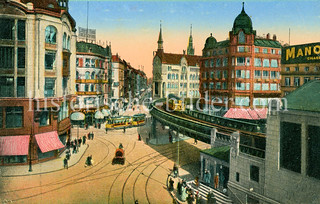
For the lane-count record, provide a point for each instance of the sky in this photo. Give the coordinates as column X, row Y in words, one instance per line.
column 132, row 27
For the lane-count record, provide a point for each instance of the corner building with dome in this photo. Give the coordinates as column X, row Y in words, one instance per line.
column 240, row 74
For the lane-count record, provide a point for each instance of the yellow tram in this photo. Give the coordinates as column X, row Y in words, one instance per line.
column 138, row 119
column 119, row 122
column 175, row 103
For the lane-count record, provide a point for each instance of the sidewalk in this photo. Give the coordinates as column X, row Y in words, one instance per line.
column 44, row 167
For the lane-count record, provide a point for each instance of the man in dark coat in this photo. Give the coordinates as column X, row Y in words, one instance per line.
column 171, row 182
column 65, row 163
column 179, row 187
column 84, row 138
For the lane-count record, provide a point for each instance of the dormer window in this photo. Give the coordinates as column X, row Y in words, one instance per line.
column 241, row 37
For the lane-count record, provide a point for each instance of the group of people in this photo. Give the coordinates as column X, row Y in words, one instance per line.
column 74, row 145
column 185, row 193
column 90, row 135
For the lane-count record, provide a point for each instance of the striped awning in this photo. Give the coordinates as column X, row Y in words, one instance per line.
column 77, row 116
column 14, row 145
column 48, row 141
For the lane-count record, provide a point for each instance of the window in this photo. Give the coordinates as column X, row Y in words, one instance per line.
column 287, row 69
column 248, row 61
column 240, row 86
column 49, row 87
column 6, row 87
column 218, row 74
column 172, row 76
column 177, row 76
column 21, row 30
column 241, row 37
column 87, row 63
column 290, row 146
column 225, row 74
column 240, row 61
column 218, row 85
column 265, row 51
column 218, row 64
column 279, row 52
column 238, row 74
column 247, row 86
column 93, row 63
column 14, row 117
column 306, row 79
column 247, row 74
column 274, row 63
column 212, row 63
column 266, row 63
column 296, row 69
column 296, row 81
column 242, row 101
column 211, row 85
column 204, row 85
column 86, row 87
column 313, row 160
column 51, row 33
column 257, row 74
column 44, row 118
column 93, row 75
column 273, row 51
column 20, row 87
column 206, row 63
column 87, row 75
column 168, row 85
column 265, row 74
column 169, row 68
column 316, row 69
column 265, row 86
column 50, row 59
column 68, row 43
column 257, row 62
column 256, row 50
column 6, row 57
column 287, row 81
column 225, row 62
column 240, row 48
column 92, row 88
column 237, row 176
column 257, row 86
column 7, row 28
column 254, row 173
column 272, row 74
column 64, row 41
column 211, row 75
column 224, row 85
column 306, row 69
column 273, row 87
column 21, row 58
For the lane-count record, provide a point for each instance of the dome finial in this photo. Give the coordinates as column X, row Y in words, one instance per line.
column 243, row 6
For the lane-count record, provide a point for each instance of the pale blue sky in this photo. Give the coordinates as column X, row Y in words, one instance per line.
column 133, row 26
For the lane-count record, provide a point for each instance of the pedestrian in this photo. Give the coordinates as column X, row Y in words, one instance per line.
column 171, row 182
column 65, row 163
column 68, row 154
column 175, row 170
column 170, row 138
column 74, row 149
column 208, row 177
column 195, row 141
column 79, row 142
column 216, row 181
column 89, row 136
column 68, row 143
column 179, row 188
column 124, row 129
column 84, row 139
column 139, row 137
column 136, row 202
column 92, row 135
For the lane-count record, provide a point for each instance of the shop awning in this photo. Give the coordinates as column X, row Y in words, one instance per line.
column 48, row 141
column 77, row 116
column 98, row 115
column 14, row 145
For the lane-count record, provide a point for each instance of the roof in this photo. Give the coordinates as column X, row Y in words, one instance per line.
column 92, row 48
column 267, row 43
column 249, row 114
column 44, row 4
column 242, row 22
column 170, row 58
column 222, row 153
column 305, row 98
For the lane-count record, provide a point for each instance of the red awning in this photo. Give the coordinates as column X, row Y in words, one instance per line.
column 14, row 145
column 250, row 114
column 48, row 141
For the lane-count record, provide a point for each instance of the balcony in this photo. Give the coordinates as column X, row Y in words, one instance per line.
column 89, row 93
column 92, row 81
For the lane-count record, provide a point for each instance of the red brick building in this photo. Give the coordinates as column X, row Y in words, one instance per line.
column 243, row 71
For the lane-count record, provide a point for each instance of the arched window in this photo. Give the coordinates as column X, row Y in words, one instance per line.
column 68, row 43
column 77, row 75
column 86, row 88
column 87, row 75
column 51, row 34
column 241, row 37
column 92, row 75
column 77, row 87
column 169, row 76
column 177, row 76
column 64, row 41
column 92, row 88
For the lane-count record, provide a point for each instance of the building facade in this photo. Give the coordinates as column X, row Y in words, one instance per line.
column 243, row 71
column 299, row 65
column 93, row 62
column 37, row 70
column 176, row 74
column 118, row 66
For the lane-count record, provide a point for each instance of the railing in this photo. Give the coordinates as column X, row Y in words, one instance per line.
column 252, row 151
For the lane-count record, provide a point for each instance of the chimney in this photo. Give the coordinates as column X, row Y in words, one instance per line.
column 274, row 37
column 268, row 36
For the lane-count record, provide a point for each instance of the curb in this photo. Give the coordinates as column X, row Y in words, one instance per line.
column 32, row 174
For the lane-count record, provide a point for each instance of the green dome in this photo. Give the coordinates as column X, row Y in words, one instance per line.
column 210, row 42
column 243, row 21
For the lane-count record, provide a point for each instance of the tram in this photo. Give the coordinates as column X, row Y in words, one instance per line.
column 174, row 103
column 138, row 119
column 119, row 122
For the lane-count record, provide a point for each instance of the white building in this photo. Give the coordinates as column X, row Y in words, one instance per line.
column 176, row 74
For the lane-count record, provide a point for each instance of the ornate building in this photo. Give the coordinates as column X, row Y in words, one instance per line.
column 37, row 76
column 93, row 62
column 176, row 74
column 299, row 65
column 243, row 71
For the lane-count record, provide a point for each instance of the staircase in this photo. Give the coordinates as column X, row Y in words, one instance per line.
column 204, row 190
